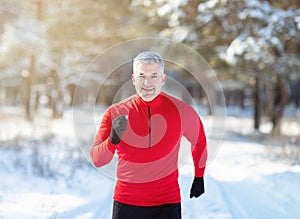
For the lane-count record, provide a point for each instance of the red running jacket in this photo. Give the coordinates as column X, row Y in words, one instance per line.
column 147, row 171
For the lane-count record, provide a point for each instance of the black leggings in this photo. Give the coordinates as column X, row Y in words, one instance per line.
column 166, row 211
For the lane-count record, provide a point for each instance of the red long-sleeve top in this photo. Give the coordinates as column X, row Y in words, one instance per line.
column 147, row 171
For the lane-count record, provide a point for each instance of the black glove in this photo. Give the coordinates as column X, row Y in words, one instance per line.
column 197, row 187
column 118, row 128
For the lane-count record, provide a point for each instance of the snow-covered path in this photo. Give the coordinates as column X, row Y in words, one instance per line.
column 242, row 184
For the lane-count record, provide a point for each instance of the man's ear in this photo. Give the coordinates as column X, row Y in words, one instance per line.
column 164, row 78
column 132, row 78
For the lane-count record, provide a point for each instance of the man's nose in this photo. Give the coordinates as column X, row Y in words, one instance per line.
column 147, row 81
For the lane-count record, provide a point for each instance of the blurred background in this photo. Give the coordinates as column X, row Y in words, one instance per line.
column 252, row 45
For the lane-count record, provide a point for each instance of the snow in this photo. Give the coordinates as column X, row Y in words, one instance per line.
column 44, row 174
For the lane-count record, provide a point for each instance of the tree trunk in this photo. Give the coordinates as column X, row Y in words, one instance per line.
column 57, row 104
column 29, row 82
column 256, row 103
column 280, row 101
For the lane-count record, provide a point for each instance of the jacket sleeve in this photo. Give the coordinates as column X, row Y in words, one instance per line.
column 193, row 130
column 103, row 150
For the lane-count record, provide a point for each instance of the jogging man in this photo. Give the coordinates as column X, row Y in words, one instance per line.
column 145, row 131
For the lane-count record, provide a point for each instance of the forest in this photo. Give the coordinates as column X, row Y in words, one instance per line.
column 63, row 62
column 253, row 47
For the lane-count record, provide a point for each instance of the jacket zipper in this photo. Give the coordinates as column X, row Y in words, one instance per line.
column 149, row 121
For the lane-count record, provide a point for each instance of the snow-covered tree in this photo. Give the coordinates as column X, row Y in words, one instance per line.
column 23, row 49
column 265, row 45
column 253, row 40
column 51, row 42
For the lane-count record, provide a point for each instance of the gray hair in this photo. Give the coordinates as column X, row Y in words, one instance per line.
column 148, row 57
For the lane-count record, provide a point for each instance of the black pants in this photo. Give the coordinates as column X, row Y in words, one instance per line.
column 166, row 211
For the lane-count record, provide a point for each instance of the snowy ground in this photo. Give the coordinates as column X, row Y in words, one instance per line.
column 43, row 174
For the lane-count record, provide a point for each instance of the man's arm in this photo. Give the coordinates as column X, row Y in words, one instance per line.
column 103, row 150
column 194, row 132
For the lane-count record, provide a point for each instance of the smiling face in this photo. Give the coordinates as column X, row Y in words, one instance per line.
column 148, row 80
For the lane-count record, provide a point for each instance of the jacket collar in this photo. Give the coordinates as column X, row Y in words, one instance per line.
column 153, row 103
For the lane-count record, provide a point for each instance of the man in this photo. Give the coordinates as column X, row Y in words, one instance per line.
column 145, row 131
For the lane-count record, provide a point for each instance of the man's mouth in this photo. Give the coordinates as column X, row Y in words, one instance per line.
column 148, row 90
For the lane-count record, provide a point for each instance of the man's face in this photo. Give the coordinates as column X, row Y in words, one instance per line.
column 148, row 80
